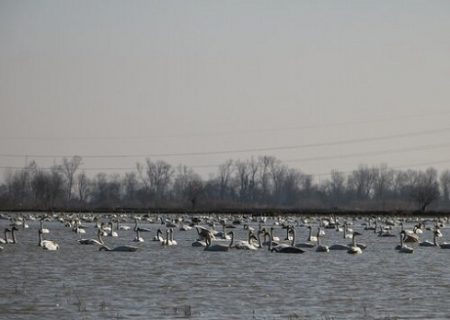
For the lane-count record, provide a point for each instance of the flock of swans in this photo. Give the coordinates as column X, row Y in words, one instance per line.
column 259, row 231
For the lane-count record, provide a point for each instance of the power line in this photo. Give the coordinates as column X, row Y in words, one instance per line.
column 235, row 132
column 231, row 151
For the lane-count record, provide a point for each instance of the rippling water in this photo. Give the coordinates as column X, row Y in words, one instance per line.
column 184, row 282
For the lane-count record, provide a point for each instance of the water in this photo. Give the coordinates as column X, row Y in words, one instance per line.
column 184, row 282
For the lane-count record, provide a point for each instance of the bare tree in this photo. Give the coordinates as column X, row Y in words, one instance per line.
column 445, row 185
column 82, row 183
column 68, row 168
column 225, row 171
column 243, row 179
column 425, row 189
column 265, row 163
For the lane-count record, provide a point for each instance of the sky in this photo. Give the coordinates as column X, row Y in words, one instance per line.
column 321, row 85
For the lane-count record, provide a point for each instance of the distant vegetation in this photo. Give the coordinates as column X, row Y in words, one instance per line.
column 263, row 182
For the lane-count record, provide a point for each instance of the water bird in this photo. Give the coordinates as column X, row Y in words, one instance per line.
column 49, row 245
column 354, row 249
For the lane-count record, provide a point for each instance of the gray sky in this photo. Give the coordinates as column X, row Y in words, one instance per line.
column 138, row 78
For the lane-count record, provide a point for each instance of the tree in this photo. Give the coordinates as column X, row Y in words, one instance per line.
column 425, row 188
column 68, row 168
column 445, row 185
column 82, row 186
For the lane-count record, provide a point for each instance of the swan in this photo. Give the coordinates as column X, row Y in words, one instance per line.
column 285, row 248
column 119, row 248
column 47, row 244
column 304, row 244
column 138, row 237
column 167, row 241
column 347, row 232
column 427, row 243
column 338, row 246
column 174, row 243
column 111, row 232
column 13, row 235
column 240, row 245
column 158, row 236
column 44, row 230
column 223, row 235
column 321, row 248
column 5, row 239
column 402, row 248
column 136, row 227
column 203, row 233
column 98, row 241
column 385, row 233
column 354, row 249
column 369, row 227
column 311, row 238
column 199, row 243
column 410, row 235
column 214, row 247
column 185, row 227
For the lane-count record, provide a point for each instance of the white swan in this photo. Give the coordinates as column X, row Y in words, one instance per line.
column 402, row 248
column 44, row 230
column 47, row 244
column 138, row 237
column 214, row 247
column 158, row 236
column 111, row 232
column 354, row 249
column 240, row 245
column 174, row 243
column 98, row 241
column 427, row 243
column 321, row 248
column 168, row 241
column 285, row 248
column 311, row 238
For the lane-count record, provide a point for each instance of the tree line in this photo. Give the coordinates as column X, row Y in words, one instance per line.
column 262, row 182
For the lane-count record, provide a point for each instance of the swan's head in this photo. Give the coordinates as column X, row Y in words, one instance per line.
column 356, row 233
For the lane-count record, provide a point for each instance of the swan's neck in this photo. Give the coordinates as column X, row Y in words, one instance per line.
column 270, row 239
column 13, row 233
column 354, row 240
column 310, row 234
column 293, row 237
column 232, row 239
column 40, row 239
column 258, row 236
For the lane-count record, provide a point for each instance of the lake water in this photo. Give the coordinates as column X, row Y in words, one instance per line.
column 185, row 282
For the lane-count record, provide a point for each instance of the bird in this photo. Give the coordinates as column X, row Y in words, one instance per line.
column 241, row 245
column 402, row 248
column 98, row 241
column 354, row 249
column 49, row 245
column 44, row 230
column 119, row 248
column 214, row 247
column 285, row 248
column 158, row 236
column 167, row 241
column 320, row 247
column 311, row 238
column 138, row 237
column 427, row 243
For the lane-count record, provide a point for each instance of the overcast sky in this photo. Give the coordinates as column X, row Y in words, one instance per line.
column 339, row 82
